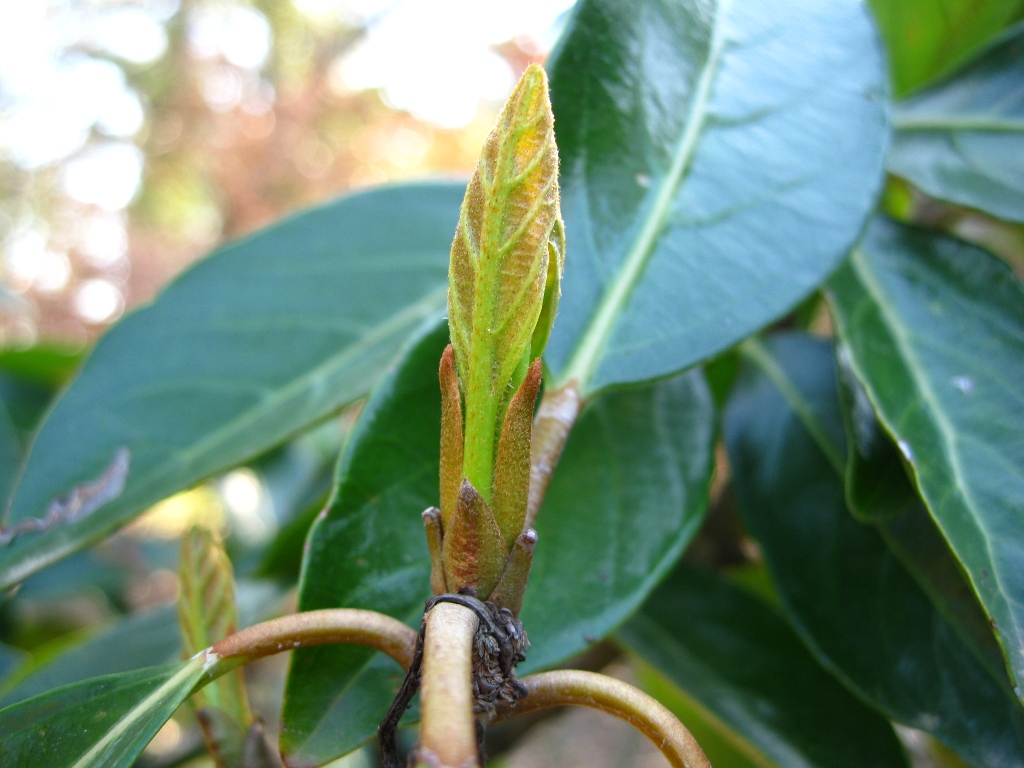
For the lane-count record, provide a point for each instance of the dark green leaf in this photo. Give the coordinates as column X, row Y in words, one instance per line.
column 926, row 37
column 963, row 139
column 256, row 342
column 141, row 640
column 629, row 493
column 10, row 659
column 10, row 454
column 935, row 329
column 721, row 746
column 878, row 491
column 695, row 138
column 739, row 661
column 877, row 486
column 847, row 595
column 100, row 723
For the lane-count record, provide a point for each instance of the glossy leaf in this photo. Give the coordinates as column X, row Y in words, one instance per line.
column 636, row 470
column 256, row 342
column 935, row 329
column 878, row 491
column 100, row 723
column 740, row 662
column 963, row 139
column 877, row 486
column 141, row 640
column 718, row 160
column 849, row 598
column 924, row 38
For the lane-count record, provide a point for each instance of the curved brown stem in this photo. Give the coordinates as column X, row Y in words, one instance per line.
column 300, row 630
column 448, row 736
column 589, row 689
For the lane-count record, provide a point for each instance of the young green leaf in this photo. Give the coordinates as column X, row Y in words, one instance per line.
column 925, row 38
column 508, row 230
column 208, row 613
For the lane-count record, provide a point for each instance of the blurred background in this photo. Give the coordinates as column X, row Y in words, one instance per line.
column 137, row 135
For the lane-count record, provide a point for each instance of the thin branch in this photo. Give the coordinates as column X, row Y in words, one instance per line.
column 448, row 736
column 300, row 630
column 589, row 689
column 555, row 418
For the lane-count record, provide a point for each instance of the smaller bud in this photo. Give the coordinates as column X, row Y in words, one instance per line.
column 512, row 467
column 432, row 523
column 473, row 550
column 451, row 434
column 512, row 585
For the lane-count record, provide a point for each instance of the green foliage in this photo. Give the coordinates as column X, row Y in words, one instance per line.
column 262, row 339
column 684, row 170
column 935, row 329
column 719, row 163
column 638, row 461
column 960, row 139
column 104, row 722
column 729, row 652
column 845, row 592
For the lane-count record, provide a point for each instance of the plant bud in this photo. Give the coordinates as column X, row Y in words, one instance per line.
column 503, row 286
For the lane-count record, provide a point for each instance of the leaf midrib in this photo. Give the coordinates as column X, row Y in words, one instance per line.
column 141, row 709
column 584, row 360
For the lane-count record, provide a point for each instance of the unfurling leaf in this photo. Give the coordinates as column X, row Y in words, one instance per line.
column 208, row 613
column 500, row 275
column 474, row 551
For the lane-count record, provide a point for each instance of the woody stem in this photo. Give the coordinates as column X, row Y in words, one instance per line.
column 555, row 418
column 448, row 737
column 589, row 689
column 300, row 630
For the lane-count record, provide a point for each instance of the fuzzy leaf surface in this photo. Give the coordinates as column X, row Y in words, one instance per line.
column 251, row 345
column 935, row 330
column 718, row 160
column 847, row 595
column 629, row 493
column 962, row 140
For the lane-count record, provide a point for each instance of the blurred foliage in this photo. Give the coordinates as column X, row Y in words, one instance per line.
column 235, row 113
